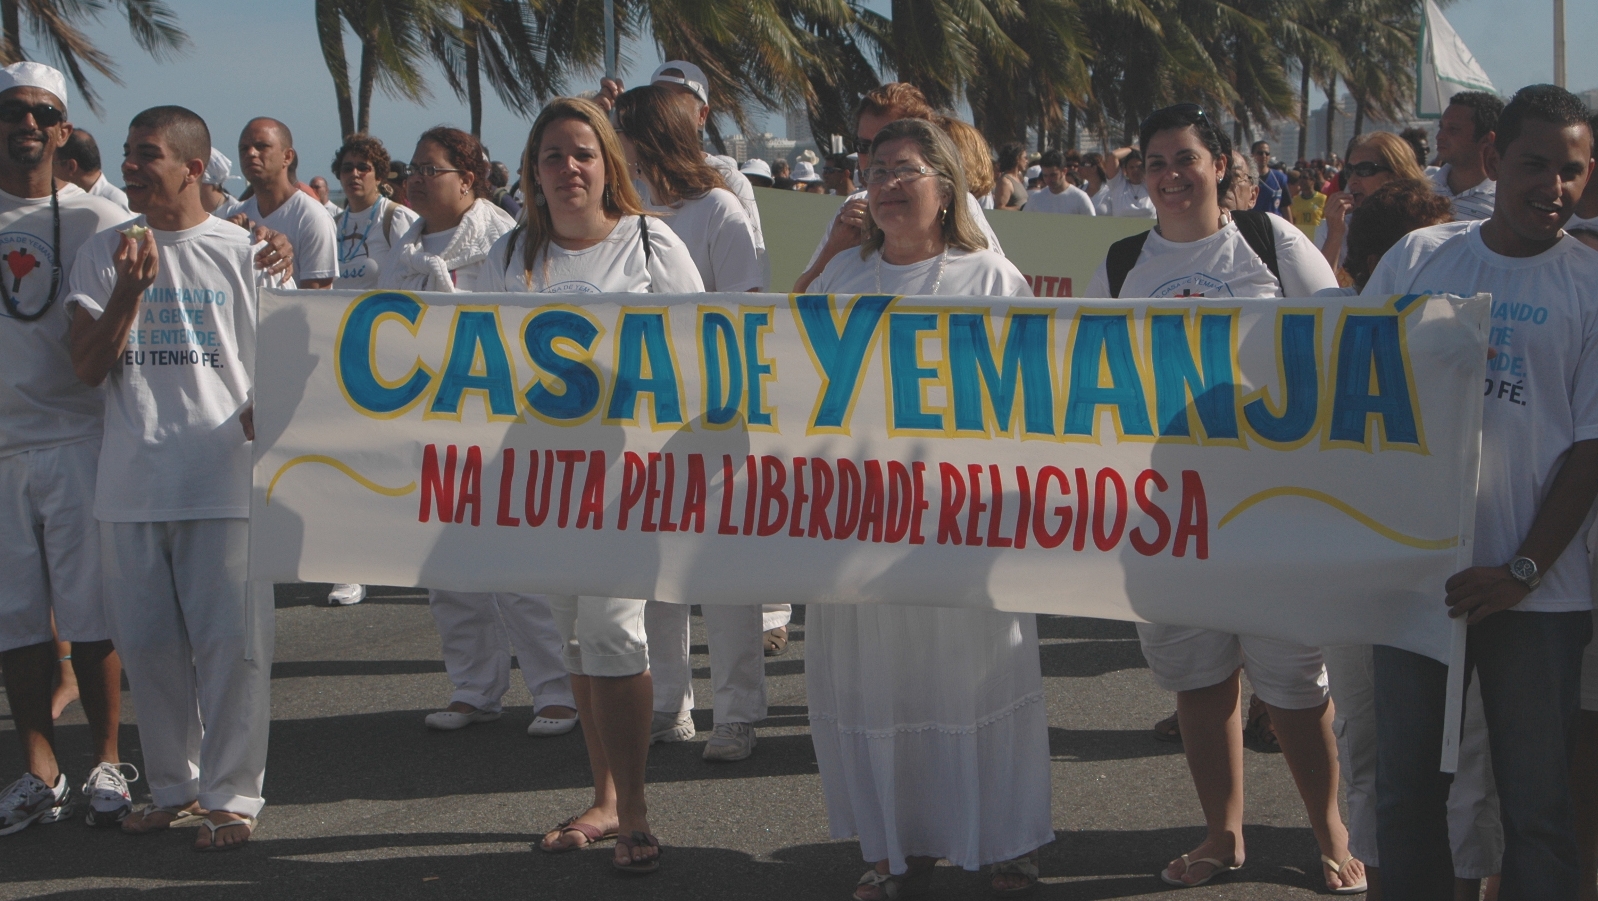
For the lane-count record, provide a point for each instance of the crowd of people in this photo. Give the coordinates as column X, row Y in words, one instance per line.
column 126, row 412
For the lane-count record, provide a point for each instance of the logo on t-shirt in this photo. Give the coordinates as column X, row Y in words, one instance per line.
column 27, row 262
column 572, row 286
column 1196, row 285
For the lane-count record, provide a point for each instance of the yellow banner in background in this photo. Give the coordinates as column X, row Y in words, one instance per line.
column 1057, row 253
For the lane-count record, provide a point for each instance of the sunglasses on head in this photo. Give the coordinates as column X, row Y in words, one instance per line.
column 1189, row 108
column 43, row 114
column 1368, row 168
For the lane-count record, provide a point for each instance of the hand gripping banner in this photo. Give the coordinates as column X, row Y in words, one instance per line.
column 1302, row 469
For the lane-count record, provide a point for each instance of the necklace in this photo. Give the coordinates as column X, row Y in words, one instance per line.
column 55, row 267
column 358, row 247
column 943, row 261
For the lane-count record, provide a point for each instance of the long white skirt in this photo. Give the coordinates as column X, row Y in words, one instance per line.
column 930, row 731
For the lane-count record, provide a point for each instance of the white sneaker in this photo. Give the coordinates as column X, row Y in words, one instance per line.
column 28, row 800
column 106, row 789
column 345, row 595
column 546, row 726
column 669, row 727
column 449, row 720
column 730, row 741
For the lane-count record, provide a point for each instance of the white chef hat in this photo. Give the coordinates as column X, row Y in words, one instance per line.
column 35, row 75
column 218, row 169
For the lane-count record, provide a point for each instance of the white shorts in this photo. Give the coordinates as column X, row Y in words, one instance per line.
column 1286, row 675
column 1589, row 671
column 601, row 636
column 50, row 546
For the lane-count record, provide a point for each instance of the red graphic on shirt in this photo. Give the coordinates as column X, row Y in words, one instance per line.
column 20, row 262
column 1188, row 292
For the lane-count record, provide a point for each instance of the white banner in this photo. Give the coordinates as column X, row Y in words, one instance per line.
column 1444, row 66
column 1303, row 469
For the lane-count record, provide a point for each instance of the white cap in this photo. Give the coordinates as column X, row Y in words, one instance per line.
column 756, row 167
column 1034, row 172
column 805, row 171
column 692, row 77
column 218, row 169
column 35, row 75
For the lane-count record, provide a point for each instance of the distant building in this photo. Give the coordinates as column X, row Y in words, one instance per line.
column 798, row 123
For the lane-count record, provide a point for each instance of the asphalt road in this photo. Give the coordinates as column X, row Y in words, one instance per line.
column 365, row 802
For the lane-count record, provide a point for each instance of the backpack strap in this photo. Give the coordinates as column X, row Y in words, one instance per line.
column 1255, row 226
column 643, row 232
column 1121, row 258
column 510, row 246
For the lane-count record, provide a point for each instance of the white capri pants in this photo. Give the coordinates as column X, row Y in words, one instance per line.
column 601, row 636
column 479, row 631
column 1474, row 830
column 735, row 634
column 196, row 643
column 50, row 546
column 1284, row 674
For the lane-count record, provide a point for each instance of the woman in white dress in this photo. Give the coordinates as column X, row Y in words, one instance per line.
column 669, row 169
column 444, row 251
column 585, row 231
column 928, row 722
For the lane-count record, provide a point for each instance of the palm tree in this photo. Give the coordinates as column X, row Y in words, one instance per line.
column 1033, row 86
column 504, row 41
column 393, row 35
column 54, row 23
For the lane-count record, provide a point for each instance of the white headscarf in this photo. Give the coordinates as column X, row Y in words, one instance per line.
column 412, row 268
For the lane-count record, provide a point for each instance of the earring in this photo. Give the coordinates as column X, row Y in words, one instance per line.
column 538, row 199
column 607, row 195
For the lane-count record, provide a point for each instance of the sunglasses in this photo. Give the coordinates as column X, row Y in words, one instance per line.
column 350, row 168
column 43, row 114
column 1192, row 109
column 1367, row 169
column 427, row 171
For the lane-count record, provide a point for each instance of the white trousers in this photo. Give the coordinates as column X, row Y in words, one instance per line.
column 480, row 631
column 196, row 644
column 1474, row 830
column 737, row 657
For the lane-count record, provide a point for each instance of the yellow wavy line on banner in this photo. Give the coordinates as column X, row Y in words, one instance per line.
column 341, row 466
column 1424, row 544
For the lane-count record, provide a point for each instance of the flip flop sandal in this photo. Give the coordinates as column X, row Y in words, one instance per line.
column 1337, row 870
column 638, row 867
column 1025, row 867
column 248, row 823
column 1216, row 869
column 776, row 641
column 1168, row 729
column 588, row 831
column 181, row 818
column 905, row 885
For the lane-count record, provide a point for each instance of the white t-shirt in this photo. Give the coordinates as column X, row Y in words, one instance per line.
column 1578, row 222
column 1073, row 201
column 173, row 447
column 717, row 235
column 1542, row 388
column 1099, row 198
column 332, row 208
column 1472, row 203
column 976, row 210
column 363, row 242
column 42, row 401
column 966, row 273
column 1323, row 230
column 615, row 265
column 1122, row 198
column 739, row 185
column 1222, row 265
column 985, row 201
column 104, row 188
column 308, row 227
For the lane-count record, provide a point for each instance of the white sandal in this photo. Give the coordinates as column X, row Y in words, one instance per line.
column 1337, row 870
column 181, row 817
column 247, row 822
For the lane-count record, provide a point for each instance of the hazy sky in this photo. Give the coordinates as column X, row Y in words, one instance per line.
column 251, row 58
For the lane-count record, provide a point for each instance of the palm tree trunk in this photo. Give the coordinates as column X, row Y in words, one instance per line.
column 1303, row 112
column 1070, row 125
column 330, row 29
column 1331, row 115
column 10, row 18
column 369, row 53
column 474, row 84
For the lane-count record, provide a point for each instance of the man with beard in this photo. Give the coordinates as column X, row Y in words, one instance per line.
column 266, row 157
column 50, row 425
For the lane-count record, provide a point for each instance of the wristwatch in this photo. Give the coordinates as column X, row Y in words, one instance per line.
column 1524, row 571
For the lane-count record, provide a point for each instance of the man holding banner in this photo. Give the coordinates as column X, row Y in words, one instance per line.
column 1527, row 601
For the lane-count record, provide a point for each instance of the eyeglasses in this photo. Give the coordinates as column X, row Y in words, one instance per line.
column 350, row 168
column 877, row 175
column 428, row 171
column 1368, row 168
column 43, row 113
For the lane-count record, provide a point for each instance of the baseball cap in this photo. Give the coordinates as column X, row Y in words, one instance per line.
column 35, row 75
column 688, row 75
column 218, row 169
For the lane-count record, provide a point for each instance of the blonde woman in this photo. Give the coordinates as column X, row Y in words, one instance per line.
column 1374, row 159
column 928, row 722
column 585, row 231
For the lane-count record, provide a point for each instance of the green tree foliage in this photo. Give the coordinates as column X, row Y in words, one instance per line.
column 56, row 25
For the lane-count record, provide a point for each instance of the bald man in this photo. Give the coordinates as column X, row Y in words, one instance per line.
column 266, row 160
